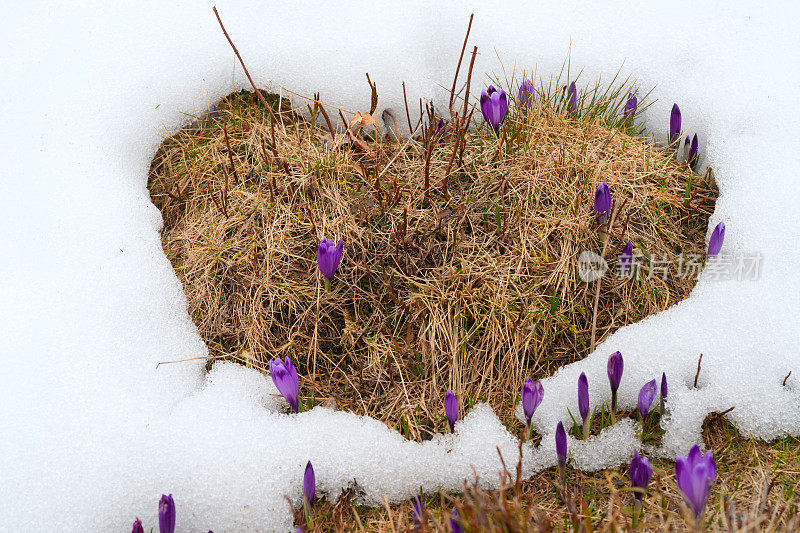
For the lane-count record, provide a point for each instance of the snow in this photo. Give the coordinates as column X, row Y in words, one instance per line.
column 94, row 431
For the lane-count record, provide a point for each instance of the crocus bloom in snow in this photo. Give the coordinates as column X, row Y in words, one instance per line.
column 454, row 525
column 561, row 450
column 166, row 514
column 572, row 97
column 137, row 526
column 646, row 397
column 663, row 393
column 329, row 255
column 626, row 258
column 494, row 105
column 284, row 376
column 417, row 510
column 695, row 474
column 614, row 368
column 583, row 402
column 717, row 237
column 451, row 409
column 690, row 151
column 602, row 201
column 527, row 96
column 532, row 394
column 309, row 484
column 641, row 472
column 674, row 124
column 630, row 107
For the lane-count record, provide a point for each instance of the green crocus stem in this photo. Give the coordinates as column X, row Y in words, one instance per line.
column 613, row 407
column 637, row 511
column 586, row 427
column 327, row 284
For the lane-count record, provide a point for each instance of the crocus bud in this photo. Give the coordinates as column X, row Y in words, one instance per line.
column 561, row 450
column 454, row 518
column 626, row 258
column 451, row 409
column 614, row 369
column 641, row 472
column 309, row 485
column 663, row 393
column 695, row 475
column 602, row 202
column 532, row 394
column 583, row 402
column 572, row 98
column 691, row 155
column 527, row 96
column 418, row 510
column 717, row 237
column 166, row 514
column 284, row 376
column 674, row 124
column 494, row 105
column 329, row 255
column 440, row 131
column 137, row 526
column 646, row 397
column 630, row 107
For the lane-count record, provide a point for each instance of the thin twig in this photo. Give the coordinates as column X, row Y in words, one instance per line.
column 230, row 153
column 458, row 67
column 408, row 115
column 699, row 361
column 787, row 377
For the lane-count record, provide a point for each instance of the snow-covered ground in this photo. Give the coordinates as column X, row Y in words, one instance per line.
column 93, row 432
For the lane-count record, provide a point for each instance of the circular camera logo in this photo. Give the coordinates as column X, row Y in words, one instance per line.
column 591, row 266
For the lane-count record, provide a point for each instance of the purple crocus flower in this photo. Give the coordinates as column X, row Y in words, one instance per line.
column 695, row 474
column 561, row 450
column 284, row 376
column 690, row 149
column 641, row 472
column 309, row 485
column 137, row 526
column 417, row 510
column 717, row 237
column 630, row 107
column 674, row 124
column 527, row 96
column 663, row 392
column 614, row 369
column 572, row 97
column 626, row 258
column 329, row 255
column 166, row 514
column 532, row 395
column 494, row 105
column 440, row 131
column 602, row 202
column 451, row 409
column 583, row 402
column 454, row 518
column 646, row 397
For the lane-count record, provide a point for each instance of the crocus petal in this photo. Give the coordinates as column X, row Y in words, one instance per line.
column 614, row 368
column 137, row 526
column 626, row 257
column 664, row 389
column 166, row 514
column 454, row 524
column 646, row 396
column 485, row 105
column 583, row 396
column 561, row 444
column 674, row 123
column 451, row 409
column 717, row 238
column 309, row 484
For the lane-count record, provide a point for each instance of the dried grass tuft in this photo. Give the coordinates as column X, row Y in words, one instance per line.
column 462, row 279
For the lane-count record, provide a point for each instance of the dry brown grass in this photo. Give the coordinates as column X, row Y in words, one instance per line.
column 471, row 287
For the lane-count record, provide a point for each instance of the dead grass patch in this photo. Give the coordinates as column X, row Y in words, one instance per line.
column 462, row 279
